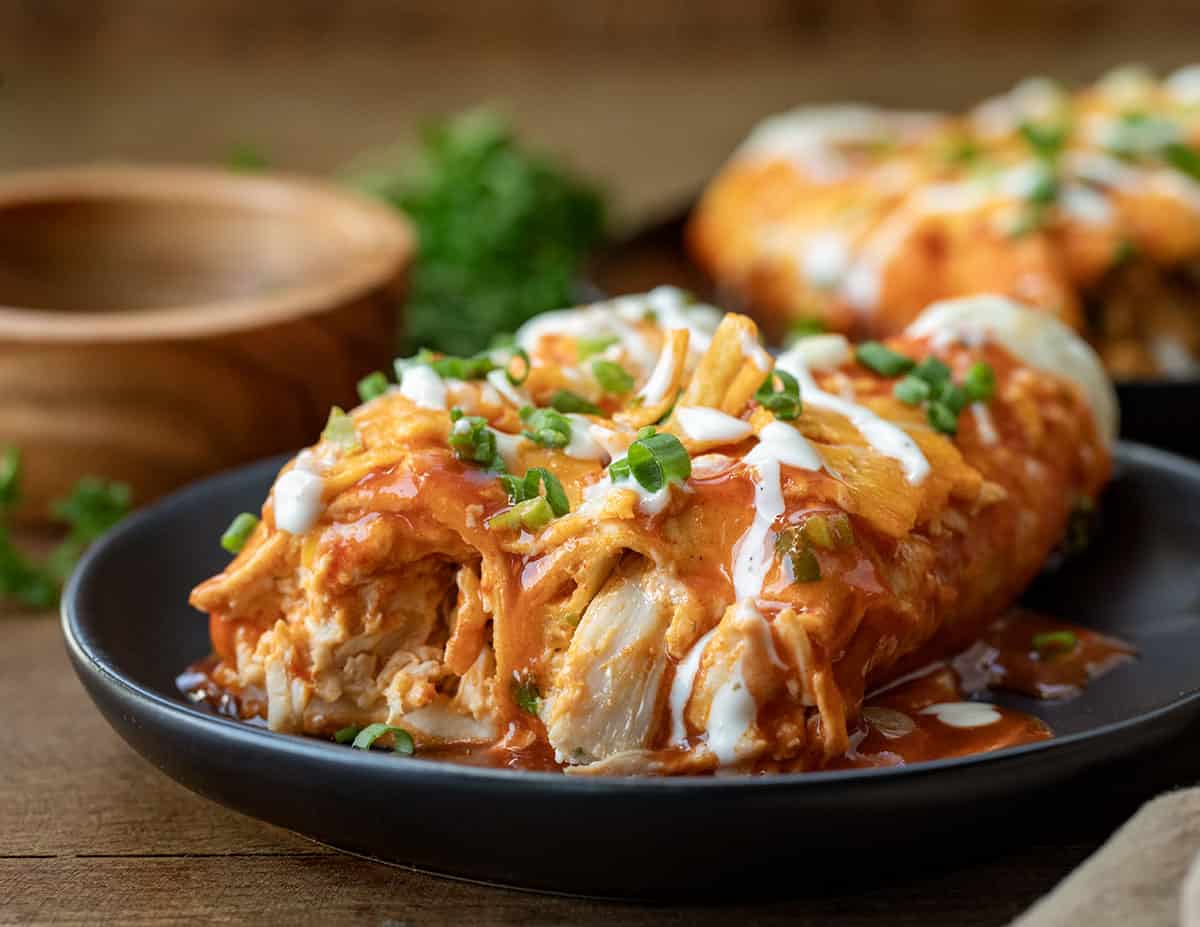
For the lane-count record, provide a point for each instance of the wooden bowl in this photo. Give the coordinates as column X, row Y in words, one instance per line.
column 160, row 323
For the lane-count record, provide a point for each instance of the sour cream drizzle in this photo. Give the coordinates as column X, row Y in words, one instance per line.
column 681, row 687
column 778, row 444
column 298, row 497
column 730, row 715
column 963, row 714
column 701, row 424
column 424, row 387
column 888, row 439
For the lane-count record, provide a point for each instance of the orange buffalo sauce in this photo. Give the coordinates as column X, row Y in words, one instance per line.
column 935, row 713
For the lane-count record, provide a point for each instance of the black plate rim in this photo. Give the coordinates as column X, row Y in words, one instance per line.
column 176, row 714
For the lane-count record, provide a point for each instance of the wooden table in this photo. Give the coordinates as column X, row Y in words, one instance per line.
column 90, row 831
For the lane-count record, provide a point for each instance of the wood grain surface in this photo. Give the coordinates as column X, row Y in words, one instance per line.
column 89, row 831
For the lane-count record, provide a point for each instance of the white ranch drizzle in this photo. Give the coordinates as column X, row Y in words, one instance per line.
column 963, row 714
column 422, row 386
column 825, row 259
column 655, row 389
column 822, row 352
column 730, row 715
column 1036, row 338
column 681, row 687
column 583, row 444
column 753, row 555
column 701, row 424
column 886, row 438
column 676, row 309
column 983, row 423
column 499, row 381
column 298, row 497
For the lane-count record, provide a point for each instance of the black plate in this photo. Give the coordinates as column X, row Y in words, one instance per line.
column 1164, row 413
column 129, row 631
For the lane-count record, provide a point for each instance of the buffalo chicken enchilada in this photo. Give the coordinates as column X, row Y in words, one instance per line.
column 1085, row 204
column 634, row 542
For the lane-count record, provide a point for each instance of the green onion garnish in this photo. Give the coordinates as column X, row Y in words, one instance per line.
column 806, row 568
column 516, row 379
column 474, row 442
column 346, row 734
column 1183, row 158
column 882, row 359
column 612, row 377
column 532, row 515
column 546, row 427
column 339, row 430
column 566, row 401
column 619, row 470
column 654, row 460
column 1044, row 189
column 829, row 532
column 1052, row 643
column 980, row 382
column 458, row 368
column 402, row 741
column 1124, row 252
column 586, row 347
column 238, row 532
column 372, row 386
column 804, row 327
column 1046, row 141
column 785, row 401
column 526, row 695
column 555, row 494
column 942, row 418
column 952, row 397
column 912, row 390
column 932, row 371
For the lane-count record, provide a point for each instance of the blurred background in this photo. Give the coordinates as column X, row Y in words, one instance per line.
column 648, row 97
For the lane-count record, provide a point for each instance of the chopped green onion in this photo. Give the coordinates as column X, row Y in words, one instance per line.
column 980, row 382
column 474, row 442
column 882, row 359
column 346, row 734
column 619, row 470
column 646, row 431
column 804, row 327
column 1080, row 522
column 942, row 418
column 517, row 379
column 532, row 515
column 829, row 532
column 1183, row 158
column 1045, row 140
column 514, row 487
column 586, row 347
column 340, row 430
column 238, row 532
column 402, row 741
column 951, row 396
column 612, row 377
column 785, row 401
column 1124, row 252
column 566, row 401
column 546, row 427
column 1052, row 643
column 526, row 695
column 458, row 368
column 372, row 386
column 657, row 459
column 806, row 568
column 10, row 477
column 912, row 390
column 555, row 494
column 932, row 371
column 1044, row 189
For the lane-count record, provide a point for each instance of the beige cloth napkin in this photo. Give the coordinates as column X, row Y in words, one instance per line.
column 1146, row 874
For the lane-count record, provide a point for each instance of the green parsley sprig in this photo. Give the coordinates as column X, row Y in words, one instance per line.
column 92, row 507
column 502, row 231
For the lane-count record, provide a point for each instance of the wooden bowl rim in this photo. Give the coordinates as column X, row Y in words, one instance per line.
column 387, row 244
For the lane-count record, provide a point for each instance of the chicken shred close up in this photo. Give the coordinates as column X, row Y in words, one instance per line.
column 642, row 545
